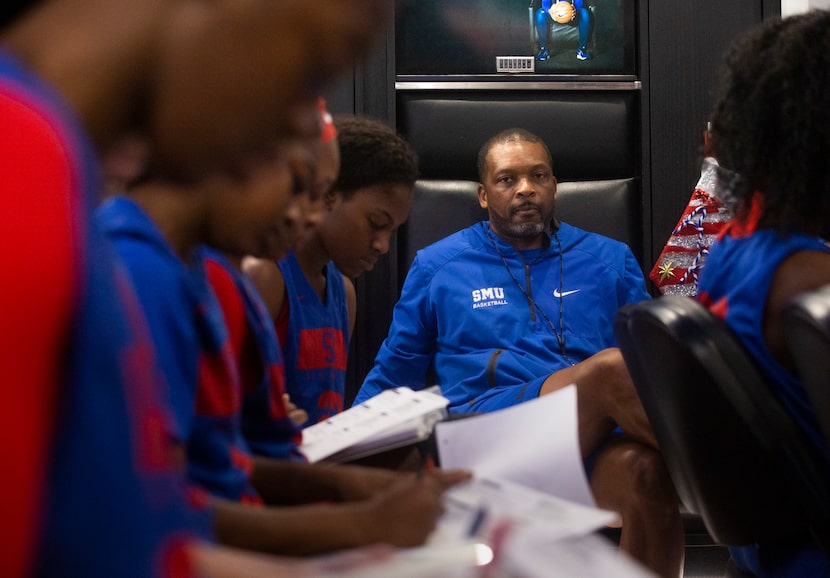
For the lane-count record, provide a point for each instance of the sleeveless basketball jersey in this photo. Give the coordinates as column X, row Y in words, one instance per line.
column 316, row 347
column 266, row 425
column 188, row 329
column 87, row 403
column 735, row 285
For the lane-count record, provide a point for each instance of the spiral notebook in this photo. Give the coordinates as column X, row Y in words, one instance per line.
column 394, row 418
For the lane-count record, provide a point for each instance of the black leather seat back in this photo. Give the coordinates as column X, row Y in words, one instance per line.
column 807, row 326
column 736, row 457
column 442, row 207
column 591, row 135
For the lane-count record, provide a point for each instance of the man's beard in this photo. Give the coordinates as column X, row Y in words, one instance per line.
column 527, row 230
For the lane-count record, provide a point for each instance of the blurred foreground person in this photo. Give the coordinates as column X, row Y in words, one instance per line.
column 96, row 490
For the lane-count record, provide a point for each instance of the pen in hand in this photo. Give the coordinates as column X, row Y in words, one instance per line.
column 477, row 522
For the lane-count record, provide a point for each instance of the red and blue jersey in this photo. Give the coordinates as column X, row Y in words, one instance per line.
column 91, row 487
column 194, row 352
column 315, row 341
column 266, row 425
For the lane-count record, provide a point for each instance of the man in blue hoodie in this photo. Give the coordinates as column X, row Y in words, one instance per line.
column 523, row 305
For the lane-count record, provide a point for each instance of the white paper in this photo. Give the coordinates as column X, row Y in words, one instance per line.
column 453, row 560
column 529, row 505
column 473, row 509
column 369, row 420
column 535, row 444
column 530, row 554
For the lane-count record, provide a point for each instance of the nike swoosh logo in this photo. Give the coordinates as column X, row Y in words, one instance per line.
column 559, row 295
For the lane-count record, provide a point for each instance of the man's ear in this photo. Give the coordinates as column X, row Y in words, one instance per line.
column 482, row 196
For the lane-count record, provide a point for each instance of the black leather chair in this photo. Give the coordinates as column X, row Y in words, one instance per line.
column 807, row 327
column 442, row 207
column 736, row 457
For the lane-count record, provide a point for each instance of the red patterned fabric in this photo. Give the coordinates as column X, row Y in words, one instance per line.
column 677, row 269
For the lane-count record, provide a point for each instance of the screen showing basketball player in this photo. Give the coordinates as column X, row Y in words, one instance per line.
column 468, row 37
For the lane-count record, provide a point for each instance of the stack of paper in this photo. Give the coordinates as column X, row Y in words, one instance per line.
column 527, row 512
column 529, row 499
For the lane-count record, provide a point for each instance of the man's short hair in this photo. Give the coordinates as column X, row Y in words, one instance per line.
column 503, row 137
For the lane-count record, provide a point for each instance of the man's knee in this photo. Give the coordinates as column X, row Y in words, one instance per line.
column 648, row 470
column 639, row 473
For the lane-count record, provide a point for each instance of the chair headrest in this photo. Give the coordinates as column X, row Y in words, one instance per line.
column 442, row 207
column 807, row 329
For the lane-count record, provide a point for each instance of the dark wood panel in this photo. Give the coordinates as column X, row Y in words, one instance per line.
column 370, row 90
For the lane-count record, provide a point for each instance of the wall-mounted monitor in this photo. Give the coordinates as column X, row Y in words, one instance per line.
column 515, row 39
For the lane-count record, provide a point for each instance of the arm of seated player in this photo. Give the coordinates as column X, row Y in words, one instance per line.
column 285, row 482
column 268, row 280
column 403, row 515
column 801, row 272
column 407, row 352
